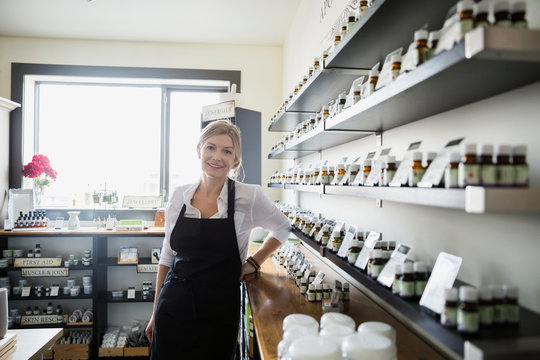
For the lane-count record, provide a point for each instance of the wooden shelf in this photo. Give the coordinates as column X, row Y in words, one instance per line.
column 420, row 319
column 288, row 120
column 380, row 30
column 473, row 70
column 51, row 298
column 323, row 86
column 112, row 261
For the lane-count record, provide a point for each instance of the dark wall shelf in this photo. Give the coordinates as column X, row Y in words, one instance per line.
column 51, row 298
column 425, row 321
column 124, row 299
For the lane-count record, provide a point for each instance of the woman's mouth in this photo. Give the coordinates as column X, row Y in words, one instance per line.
column 215, row 166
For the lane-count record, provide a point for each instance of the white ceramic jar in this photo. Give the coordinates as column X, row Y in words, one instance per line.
column 314, row 348
column 334, row 318
column 368, row 346
column 377, row 327
column 294, row 320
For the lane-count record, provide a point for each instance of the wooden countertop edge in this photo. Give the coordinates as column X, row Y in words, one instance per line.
column 151, row 231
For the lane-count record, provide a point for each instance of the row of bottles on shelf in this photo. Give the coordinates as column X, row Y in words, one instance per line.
column 32, row 219
column 71, row 288
column 9, row 256
column 17, row 317
column 490, row 305
column 507, row 167
column 466, row 16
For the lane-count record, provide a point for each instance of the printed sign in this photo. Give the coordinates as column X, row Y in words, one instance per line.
column 435, row 171
column 142, row 202
column 39, row 319
column 351, row 232
column 38, row 262
column 224, row 110
column 399, row 255
column 402, row 173
column 442, row 277
column 369, row 244
column 147, row 268
column 44, row 272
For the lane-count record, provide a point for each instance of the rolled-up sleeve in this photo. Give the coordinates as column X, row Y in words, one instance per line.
column 171, row 214
column 267, row 216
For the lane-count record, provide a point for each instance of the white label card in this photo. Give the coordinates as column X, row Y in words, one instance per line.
column 402, row 173
column 54, row 290
column 435, row 171
column 442, row 277
column 349, row 236
column 399, row 255
column 375, row 173
column 26, row 291
column 339, row 226
column 369, row 244
column 319, row 278
column 131, row 293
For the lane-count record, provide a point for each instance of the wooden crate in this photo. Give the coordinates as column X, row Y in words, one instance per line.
column 49, row 353
column 108, row 352
column 71, row 351
column 136, row 351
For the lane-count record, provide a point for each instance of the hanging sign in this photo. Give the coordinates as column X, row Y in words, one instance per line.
column 37, row 262
column 219, row 111
column 44, row 272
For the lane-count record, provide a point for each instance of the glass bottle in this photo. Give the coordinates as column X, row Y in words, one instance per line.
column 521, row 168
column 310, row 294
column 501, row 10
column 340, row 173
column 325, row 112
column 416, row 172
column 407, row 289
column 363, row 7
column 325, row 235
column 498, row 304
column 324, row 175
column 336, row 240
column 371, row 258
column 396, row 65
column 373, row 78
column 337, row 38
column 519, row 9
column 468, row 319
column 488, row 170
column 303, row 285
column 377, row 264
column 346, row 292
column 382, row 164
column 331, row 174
column 421, row 38
column 351, row 20
column 353, row 172
column 390, row 170
column 433, row 41
column 505, row 170
column 316, row 63
column 326, row 291
column 421, row 277
column 396, row 285
column 449, row 313
column 480, row 13
column 485, row 307
column 354, row 251
column 318, row 226
column 466, row 21
column 469, row 173
column 367, row 170
column 344, row 29
column 511, row 304
column 451, row 173
column 318, row 292
column 37, row 251
column 342, row 98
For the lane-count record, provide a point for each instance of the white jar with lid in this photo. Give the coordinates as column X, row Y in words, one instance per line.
column 368, row 346
column 336, row 332
column 377, row 327
column 334, row 318
column 314, row 348
column 294, row 320
column 293, row 333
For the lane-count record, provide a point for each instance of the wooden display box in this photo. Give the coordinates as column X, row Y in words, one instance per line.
column 110, row 352
column 136, row 351
column 71, row 351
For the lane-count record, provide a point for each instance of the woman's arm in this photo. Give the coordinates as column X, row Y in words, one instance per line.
column 269, row 245
column 161, row 274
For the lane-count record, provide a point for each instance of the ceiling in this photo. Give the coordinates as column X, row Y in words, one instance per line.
column 261, row 22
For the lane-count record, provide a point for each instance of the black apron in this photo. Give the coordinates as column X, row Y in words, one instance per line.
column 198, row 310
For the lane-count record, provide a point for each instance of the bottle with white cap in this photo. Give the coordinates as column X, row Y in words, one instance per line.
column 407, row 289
column 421, row 277
column 373, row 78
column 336, row 240
column 449, row 313
column 368, row 346
column 485, row 306
column 390, row 170
column 396, row 65
column 325, row 234
column 363, row 7
column 377, row 327
column 396, row 285
column 351, row 19
column 311, row 293
column 382, row 164
column 314, row 348
column 366, row 171
column 324, row 175
column 505, row 170
column 421, row 37
column 377, row 263
column 469, row 169
column 521, row 168
column 331, row 173
column 501, row 10
column 340, row 173
column 325, row 112
column 354, row 251
column 480, row 13
column 417, row 171
column 318, row 292
column 488, row 170
column 519, row 9
column 468, row 319
column 433, row 41
column 353, row 172
column 498, row 304
column 511, row 304
column 465, row 12
column 451, row 173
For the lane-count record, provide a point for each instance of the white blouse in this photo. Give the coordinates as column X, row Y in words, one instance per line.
column 251, row 209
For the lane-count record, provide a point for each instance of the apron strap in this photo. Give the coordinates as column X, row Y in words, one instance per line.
column 230, row 198
column 182, row 212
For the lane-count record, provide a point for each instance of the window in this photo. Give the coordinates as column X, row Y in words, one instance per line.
column 133, row 136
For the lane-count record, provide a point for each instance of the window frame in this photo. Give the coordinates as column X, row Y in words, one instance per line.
column 20, row 70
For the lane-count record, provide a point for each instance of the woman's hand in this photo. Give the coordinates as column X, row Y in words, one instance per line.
column 247, row 269
column 150, row 330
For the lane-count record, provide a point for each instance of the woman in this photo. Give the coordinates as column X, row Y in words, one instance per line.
column 207, row 229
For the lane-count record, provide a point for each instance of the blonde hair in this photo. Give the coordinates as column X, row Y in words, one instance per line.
column 224, row 127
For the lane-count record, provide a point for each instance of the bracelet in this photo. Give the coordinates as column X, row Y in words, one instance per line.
column 253, row 263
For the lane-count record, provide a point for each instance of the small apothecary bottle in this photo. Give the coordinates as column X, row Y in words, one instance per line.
column 340, row 173
column 377, row 264
column 480, row 13
column 519, row 9
column 354, row 251
column 449, row 313
column 465, row 11
column 390, row 170
column 498, row 304
column 421, row 38
column 505, row 169
column 396, row 285
column 469, row 169
column 353, row 172
column 451, row 173
column 417, row 170
column 521, row 168
column 367, row 170
column 324, row 175
column 501, row 10
column 511, row 304
column 396, row 65
column 325, row 234
column 407, row 289
column 485, row 306
column 488, row 170
column 336, row 240
column 468, row 319
column 331, row 174
column 421, row 277
column 310, row 294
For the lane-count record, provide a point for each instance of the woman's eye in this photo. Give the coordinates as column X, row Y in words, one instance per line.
column 228, row 152
column 210, row 147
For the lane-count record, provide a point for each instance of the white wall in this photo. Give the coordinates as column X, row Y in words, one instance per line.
column 260, row 67
column 496, row 248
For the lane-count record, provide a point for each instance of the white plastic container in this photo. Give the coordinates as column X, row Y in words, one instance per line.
column 368, row 346
column 314, row 348
column 377, row 327
column 334, row 318
column 336, row 332
column 294, row 320
column 293, row 333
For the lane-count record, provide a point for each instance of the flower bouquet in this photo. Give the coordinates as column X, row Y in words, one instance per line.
column 41, row 171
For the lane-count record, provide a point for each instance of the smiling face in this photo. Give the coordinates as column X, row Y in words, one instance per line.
column 217, row 156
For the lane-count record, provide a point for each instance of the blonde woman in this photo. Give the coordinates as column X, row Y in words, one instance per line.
column 204, row 254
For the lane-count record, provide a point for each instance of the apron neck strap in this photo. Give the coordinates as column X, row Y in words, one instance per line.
column 230, row 198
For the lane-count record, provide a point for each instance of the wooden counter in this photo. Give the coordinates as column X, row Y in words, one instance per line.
column 273, row 295
column 87, row 231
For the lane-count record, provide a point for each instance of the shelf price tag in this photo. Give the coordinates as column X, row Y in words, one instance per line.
column 369, row 244
column 435, row 171
column 25, row 291
column 402, row 173
column 351, row 232
column 131, row 293
column 54, row 290
column 442, row 277
column 399, row 255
